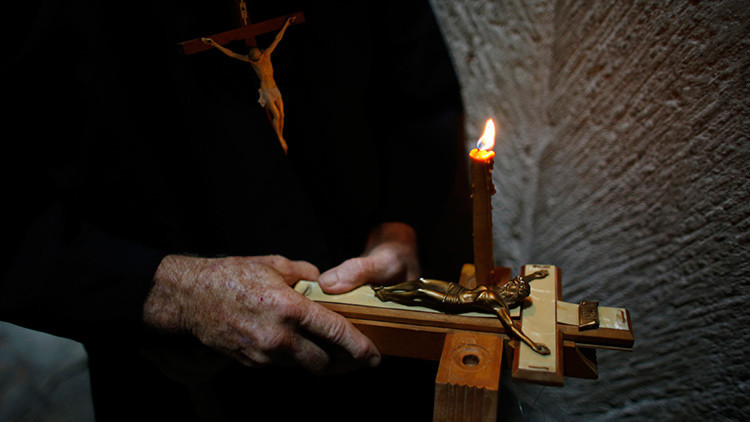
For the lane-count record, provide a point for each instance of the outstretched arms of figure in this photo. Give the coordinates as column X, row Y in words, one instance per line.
column 276, row 40
column 228, row 52
column 503, row 312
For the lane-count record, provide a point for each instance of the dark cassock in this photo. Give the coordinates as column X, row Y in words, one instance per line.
column 120, row 150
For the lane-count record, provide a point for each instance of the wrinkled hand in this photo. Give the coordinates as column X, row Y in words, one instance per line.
column 246, row 308
column 390, row 257
column 208, row 41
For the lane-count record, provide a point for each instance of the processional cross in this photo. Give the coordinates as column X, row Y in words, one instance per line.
column 472, row 348
column 259, row 59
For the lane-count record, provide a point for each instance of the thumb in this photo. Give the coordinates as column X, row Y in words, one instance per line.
column 355, row 272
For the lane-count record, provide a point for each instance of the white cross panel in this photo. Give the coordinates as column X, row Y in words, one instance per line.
column 539, row 322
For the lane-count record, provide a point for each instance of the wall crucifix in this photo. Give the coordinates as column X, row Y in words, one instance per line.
column 259, row 59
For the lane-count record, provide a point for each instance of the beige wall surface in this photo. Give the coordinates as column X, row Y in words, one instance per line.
column 623, row 158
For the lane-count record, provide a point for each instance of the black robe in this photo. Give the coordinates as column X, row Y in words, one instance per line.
column 122, row 150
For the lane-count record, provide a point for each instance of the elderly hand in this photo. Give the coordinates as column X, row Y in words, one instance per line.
column 390, row 257
column 245, row 307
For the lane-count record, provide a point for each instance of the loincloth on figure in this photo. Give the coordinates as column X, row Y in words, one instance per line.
column 453, row 295
column 268, row 95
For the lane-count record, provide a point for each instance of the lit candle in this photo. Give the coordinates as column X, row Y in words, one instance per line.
column 482, row 189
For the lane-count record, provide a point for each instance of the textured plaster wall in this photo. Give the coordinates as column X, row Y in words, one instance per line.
column 502, row 53
column 624, row 159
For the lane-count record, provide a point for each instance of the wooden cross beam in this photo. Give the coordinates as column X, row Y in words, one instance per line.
column 247, row 33
column 473, row 347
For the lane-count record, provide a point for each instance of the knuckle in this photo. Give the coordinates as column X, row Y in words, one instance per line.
column 258, row 360
column 254, row 358
column 275, row 341
column 286, row 307
column 337, row 330
column 278, row 261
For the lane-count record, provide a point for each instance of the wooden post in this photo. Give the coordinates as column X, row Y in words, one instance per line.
column 468, row 378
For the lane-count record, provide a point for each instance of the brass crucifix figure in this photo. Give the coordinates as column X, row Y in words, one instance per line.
column 452, row 297
column 260, row 60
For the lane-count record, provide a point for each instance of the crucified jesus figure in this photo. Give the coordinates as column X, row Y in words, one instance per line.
column 452, row 297
column 260, row 60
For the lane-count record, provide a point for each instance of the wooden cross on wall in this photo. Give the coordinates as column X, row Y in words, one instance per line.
column 246, row 32
column 259, row 60
column 473, row 349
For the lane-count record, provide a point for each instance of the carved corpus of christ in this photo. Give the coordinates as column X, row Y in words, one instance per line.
column 452, row 297
column 260, row 60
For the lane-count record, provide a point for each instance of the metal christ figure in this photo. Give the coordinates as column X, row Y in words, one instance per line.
column 260, row 60
column 452, row 297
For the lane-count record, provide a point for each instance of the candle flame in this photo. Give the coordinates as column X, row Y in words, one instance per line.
column 487, row 141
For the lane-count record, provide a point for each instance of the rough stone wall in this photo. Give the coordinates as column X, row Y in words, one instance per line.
column 499, row 48
column 624, row 160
